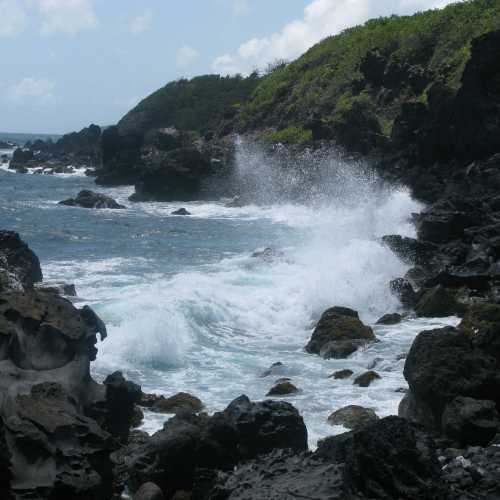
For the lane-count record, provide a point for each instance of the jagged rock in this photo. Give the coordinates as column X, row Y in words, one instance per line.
column 470, row 421
column 385, row 460
column 410, row 250
column 181, row 211
column 188, row 442
column 352, row 417
column 47, row 424
column 149, row 491
column 89, row 199
column 443, row 364
column 481, row 324
column 19, row 264
column 341, row 374
column 365, row 379
column 339, row 333
column 390, row 319
column 282, row 388
column 404, row 291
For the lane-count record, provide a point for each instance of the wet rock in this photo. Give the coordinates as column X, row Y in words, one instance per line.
column 410, row 250
column 342, row 374
column 386, row 459
column 181, row 211
column 178, row 403
column 282, row 389
column 443, row 364
column 149, row 491
column 404, row 291
column 274, row 369
column 268, row 254
column 365, row 379
column 390, row 319
column 470, row 421
column 90, row 199
column 440, row 226
column 352, row 417
column 438, row 302
column 19, row 265
column 481, row 324
column 339, row 333
column 188, row 442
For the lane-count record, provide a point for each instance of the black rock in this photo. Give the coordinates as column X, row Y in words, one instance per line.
column 390, row 319
column 149, row 491
column 438, row 302
column 89, row 199
column 339, row 333
column 18, row 264
column 181, row 211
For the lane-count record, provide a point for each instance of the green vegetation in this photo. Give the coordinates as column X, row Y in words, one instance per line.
column 204, row 104
column 328, row 82
column 289, row 135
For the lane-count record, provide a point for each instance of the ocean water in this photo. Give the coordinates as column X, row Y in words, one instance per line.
column 189, row 308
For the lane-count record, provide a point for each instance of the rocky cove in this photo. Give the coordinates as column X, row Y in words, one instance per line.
column 293, row 301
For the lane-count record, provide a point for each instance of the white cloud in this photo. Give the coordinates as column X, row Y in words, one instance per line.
column 13, row 18
column 321, row 18
column 240, row 7
column 67, row 16
column 36, row 90
column 186, row 56
column 141, row 23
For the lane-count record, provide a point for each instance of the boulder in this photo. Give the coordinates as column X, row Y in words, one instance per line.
column 481, row 324
column 390, row 319
column 470, row 421
column 178, row 403
column 282, row 388
column 341, row 374
column 386, row 459
column 90, row 199
column 66, row 289
column 188, row 442
column 339, row 333
column 438, row 302
column 18, row 262
column 365, row 379
column 352, row 417
column 443, row 364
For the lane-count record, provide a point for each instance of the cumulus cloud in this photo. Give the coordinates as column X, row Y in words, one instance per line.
column 29, row 88
column 321, row 18
column 141, row 23
column 68, row 17
column 186, row 56
column 13, row 18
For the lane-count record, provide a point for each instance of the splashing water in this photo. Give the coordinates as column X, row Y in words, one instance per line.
column 189, row 308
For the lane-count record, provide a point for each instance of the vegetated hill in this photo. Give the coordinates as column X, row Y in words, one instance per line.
column 352, row 87
column 204, row 104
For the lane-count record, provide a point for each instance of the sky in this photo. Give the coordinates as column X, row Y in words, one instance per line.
column 67, row 63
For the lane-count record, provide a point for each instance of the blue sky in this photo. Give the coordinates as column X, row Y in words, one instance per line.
column 67, row 63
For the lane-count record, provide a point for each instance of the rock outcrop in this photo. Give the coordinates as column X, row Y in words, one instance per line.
column 90, row 199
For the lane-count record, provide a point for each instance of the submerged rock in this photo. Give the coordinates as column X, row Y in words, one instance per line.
column 339, row 333
column 352, row 417
column 365, row 379
column 181, row 211
column 342, row 374
column 274, row 369
column 90, row 199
